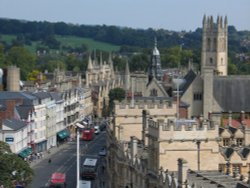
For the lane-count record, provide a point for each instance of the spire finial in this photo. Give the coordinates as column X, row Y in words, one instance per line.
column 155, row 42
column 204, row 19
column 225, row 21
column 90, row 65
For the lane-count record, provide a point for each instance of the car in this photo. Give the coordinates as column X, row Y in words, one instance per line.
column 97, row 129
column 103, row 152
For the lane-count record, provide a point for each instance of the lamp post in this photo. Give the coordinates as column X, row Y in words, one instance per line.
column 178, row 82
column 198, row 154
column 78, row 126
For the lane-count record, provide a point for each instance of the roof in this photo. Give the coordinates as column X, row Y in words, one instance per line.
column 237, row 92
column 14, row 124
column 214, row 179
column 227, row 152
column 56, row 96
column 90, row 162
column 189, row 78
column 234, row 123
column 23, row 111
column 244, row 152
column 28, row 99
column 42, row 95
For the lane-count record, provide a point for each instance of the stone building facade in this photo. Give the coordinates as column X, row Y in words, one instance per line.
column 101, row 78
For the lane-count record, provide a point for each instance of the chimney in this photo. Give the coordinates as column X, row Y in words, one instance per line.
column 133, row 147
column 182, row 173
column 242, row 116
column 230, row 118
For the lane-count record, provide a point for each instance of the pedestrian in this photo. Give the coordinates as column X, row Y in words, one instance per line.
column 49, row 160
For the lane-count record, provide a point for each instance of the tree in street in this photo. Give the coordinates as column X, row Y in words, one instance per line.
column 115, row 94
column 13, row 169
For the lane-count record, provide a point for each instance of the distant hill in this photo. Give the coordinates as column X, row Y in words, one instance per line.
column 125, row 37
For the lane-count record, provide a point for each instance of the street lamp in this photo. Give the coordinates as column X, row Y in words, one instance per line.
column 78, row 126
column 178, row 82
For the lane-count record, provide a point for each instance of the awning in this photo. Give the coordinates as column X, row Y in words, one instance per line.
column 25, row 153
column 63, row 134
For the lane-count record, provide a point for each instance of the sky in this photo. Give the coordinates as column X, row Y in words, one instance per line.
column 175, row 15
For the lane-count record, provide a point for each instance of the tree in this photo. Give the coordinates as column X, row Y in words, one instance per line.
column 22, row 58
column 13, row 168
column 35, row 76
column 115, row 94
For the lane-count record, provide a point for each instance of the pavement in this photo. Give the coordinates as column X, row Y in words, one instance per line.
column 47, row 154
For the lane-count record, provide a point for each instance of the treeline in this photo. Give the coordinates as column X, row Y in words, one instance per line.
column 33, row 30
column 176, row 47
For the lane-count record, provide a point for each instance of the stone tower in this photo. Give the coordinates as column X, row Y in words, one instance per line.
column 13, row 78
column 214, row 45
column 155, row 67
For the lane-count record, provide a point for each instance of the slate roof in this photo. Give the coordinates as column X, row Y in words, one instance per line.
column 189, row 78
column 14, row 124
column 213, row 179
column 42, row 95
column 56, row 96
column 232, row 129
column 244, row 152
column 23, row 111
column 28, row 99
column 227, row 152
column 232, row 93
column 221, row 130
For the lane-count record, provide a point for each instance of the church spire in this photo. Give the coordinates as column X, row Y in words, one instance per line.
column 110, row 62
column 90, row 65
column 127, row 77
column 127, row 68
column 155, row 66
column 101, row 59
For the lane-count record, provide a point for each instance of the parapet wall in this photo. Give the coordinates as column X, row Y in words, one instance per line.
column 182, row 131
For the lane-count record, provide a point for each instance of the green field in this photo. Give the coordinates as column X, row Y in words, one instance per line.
column 71, row 41
column 90, row 43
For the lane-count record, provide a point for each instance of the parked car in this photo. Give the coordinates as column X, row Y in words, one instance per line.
column 103, row 152
column 97, row 129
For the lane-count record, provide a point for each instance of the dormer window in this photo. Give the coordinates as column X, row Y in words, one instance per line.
column 239, row 142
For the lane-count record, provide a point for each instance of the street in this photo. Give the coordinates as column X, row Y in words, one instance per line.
column 63, row 159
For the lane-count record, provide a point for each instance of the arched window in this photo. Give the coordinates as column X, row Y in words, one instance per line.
column 214, row 44
column 211, row 60
column 208, row 44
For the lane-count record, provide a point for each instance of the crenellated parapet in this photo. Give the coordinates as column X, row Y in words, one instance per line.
column 145, row 104
column 183, row 130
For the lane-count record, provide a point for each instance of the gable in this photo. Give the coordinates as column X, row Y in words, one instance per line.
column 155, row 88
column 226, row 134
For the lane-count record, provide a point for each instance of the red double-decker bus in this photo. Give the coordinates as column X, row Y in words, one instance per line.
column 88, row 134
